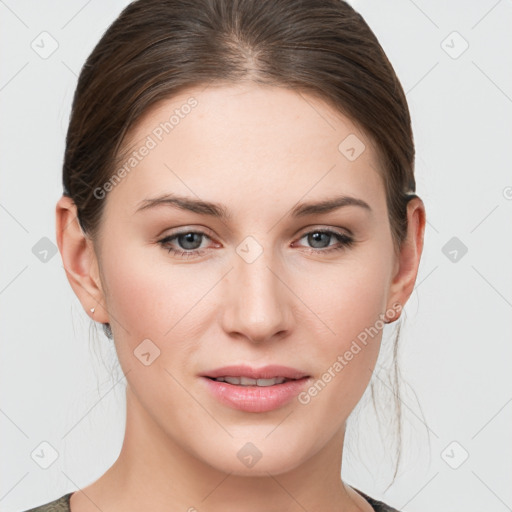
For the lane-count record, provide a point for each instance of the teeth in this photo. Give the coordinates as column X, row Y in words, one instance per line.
column 246, row 381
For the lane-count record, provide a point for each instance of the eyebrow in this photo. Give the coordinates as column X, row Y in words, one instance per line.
column 221, row 212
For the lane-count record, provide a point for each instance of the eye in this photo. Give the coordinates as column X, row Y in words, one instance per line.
column 189, row 242
column 320, row 238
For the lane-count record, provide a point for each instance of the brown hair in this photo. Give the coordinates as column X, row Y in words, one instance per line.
column 157, row 48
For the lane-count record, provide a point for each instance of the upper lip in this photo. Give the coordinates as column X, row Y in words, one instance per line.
column 265, row 372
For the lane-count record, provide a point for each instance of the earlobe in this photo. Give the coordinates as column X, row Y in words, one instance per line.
column 79, row 260
column 408, row 261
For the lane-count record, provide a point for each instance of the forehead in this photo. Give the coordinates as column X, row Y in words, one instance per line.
column 247, row 137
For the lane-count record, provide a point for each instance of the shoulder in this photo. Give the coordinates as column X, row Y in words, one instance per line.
column 377, row 505
column 59, row 505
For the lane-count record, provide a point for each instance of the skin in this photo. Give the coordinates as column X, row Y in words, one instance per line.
column 259, row 151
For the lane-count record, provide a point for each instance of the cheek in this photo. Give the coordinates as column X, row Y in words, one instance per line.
column 149, row 299
column 352, row 297
column 350, row 315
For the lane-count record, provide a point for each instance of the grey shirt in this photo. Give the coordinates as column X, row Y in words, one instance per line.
column 62, row 504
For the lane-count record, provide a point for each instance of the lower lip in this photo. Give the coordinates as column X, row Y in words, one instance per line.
column 255, row 398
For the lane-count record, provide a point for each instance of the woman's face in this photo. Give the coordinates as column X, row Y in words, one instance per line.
column 261, row 285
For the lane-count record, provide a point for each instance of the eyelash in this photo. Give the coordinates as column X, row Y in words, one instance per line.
column 344, row 240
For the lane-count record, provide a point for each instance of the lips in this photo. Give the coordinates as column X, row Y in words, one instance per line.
column 254, row 399
column 266, row 372
column 275, row 386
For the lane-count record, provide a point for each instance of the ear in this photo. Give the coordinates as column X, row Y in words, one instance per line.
column 79, row 260
column 408, row 258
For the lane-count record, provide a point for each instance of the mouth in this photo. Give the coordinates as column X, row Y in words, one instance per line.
column 247, row 381
column 255, row 390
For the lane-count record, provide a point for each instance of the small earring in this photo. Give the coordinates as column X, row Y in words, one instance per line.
column 92, row 310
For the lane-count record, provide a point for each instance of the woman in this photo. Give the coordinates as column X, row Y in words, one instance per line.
column 239, row 214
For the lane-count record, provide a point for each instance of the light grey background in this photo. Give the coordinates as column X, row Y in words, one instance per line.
column 60, row 386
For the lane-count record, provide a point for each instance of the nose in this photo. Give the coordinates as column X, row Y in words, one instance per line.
column 257, row 304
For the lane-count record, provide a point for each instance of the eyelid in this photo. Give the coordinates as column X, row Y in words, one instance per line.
column 183, row 230
column 323, row 227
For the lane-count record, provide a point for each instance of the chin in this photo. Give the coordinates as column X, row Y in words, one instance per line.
column 256, row 458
